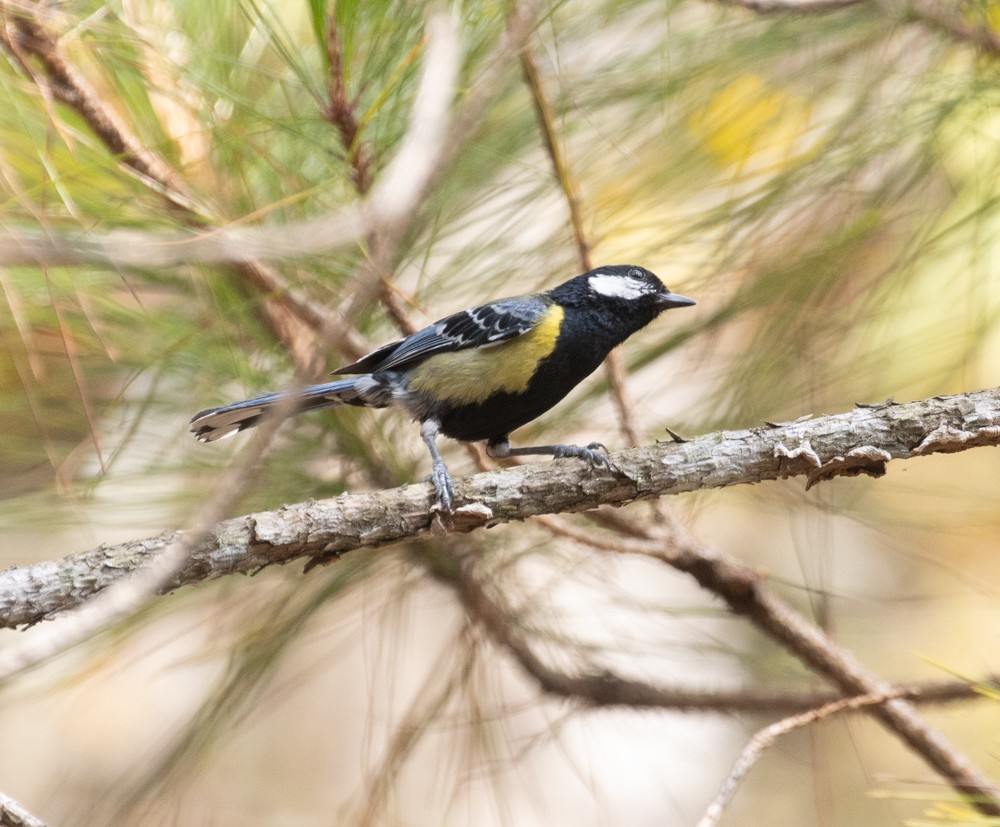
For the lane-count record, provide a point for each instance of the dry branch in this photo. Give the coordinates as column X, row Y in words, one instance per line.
column 12, row 814
column 766, row 738
column 614, row 368
column 950, row 19
column 341, row 111
column 792, row 6
column 952, row 22
column 604, row 688
column 861, row 441
column 747, row 594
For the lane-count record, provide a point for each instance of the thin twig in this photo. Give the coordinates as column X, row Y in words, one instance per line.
column 395, row 196
column 25, row 35
column 230, row 245
column 792, row 6
column 614, row 371
column 614, row 366
column 341, row 111
column 546, row 116
column 745, row 593
column 766, row 738
column 430, row 700
column 952, row 23
column 369, row 282
column 933, row 14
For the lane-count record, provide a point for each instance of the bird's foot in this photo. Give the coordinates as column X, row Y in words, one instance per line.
column 443, row 488
column 595, row 453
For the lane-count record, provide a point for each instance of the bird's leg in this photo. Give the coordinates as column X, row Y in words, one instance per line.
column 429, row 430
column 594, row 453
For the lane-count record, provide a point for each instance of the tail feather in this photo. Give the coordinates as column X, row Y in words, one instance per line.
column 216, row 423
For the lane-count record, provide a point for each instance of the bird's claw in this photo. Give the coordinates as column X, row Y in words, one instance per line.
column 597, row 456
column 595, row 453
column 443, row 488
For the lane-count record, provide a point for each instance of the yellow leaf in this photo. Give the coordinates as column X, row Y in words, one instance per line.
column 748, row 119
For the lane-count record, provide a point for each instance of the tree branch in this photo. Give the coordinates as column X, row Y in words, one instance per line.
column 746, row 594
column 932, row 14
column 792, row 6
column 341, row 111
column 568, row 185
column 766, row 738
column 608, row 689
column 952, row 22
column 861, row 441
column 614, row 367
column 12, row 814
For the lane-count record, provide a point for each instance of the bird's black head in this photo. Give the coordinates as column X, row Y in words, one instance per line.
column 621, row 288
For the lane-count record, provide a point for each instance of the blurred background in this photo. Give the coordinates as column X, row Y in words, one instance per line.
column 824, row 184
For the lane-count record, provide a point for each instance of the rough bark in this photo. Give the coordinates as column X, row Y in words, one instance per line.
column 861, row 441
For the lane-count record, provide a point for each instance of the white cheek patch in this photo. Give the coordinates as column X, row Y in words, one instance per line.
column 618, row 287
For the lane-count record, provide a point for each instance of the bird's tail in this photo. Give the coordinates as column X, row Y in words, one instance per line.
column 216, row 423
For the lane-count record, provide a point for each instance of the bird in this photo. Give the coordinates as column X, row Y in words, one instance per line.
column 481, row 373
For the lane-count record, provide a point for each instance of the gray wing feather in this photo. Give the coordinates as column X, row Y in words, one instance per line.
column 484, row 325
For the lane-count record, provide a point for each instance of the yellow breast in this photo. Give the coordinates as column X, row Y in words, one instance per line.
column 467, row 377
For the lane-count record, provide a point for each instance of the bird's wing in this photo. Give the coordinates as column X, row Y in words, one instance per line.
column 478, row 327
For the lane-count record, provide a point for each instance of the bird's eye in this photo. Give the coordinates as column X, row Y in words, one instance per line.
column 635, row 273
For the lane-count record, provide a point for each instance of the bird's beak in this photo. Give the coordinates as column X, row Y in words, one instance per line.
column 666, row 300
